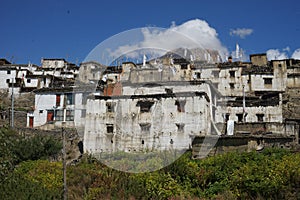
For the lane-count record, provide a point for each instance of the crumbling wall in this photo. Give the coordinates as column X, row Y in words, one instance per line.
column 130, row 127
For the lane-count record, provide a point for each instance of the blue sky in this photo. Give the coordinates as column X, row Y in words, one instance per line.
column 32, row 29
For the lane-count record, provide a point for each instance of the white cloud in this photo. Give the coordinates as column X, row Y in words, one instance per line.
column 191, row 34
column 241, row 32
column 276, row 54
column 296, row 54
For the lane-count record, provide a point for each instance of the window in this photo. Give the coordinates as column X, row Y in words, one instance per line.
column 145, row 128
column 70, row 99
column 40, row 111
column 8, row 72
column 59, row 115
column 169, row 90
column 50, row 115
column 84, row 67
column 215, row 73
column 180, row 128
column 180, row 105
column 57, row 100
column 83, row 113
column 232, row 74
column 184, row 66
column 198, row 75
column 268, row 81
column 28, row 80
column 145, row 106
column 171, row 141
column 44, row 80
column 109, row 128
column 110, row 107
column 260, row 117
column 240, row 117
column 7, row 80
column 231, row 85
column 70, row 115
column 227, row 117
column 279, row 65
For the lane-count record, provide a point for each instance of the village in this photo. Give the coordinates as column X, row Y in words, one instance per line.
column 167, row 103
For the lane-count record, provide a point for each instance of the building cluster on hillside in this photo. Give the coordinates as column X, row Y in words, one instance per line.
column 159, row 104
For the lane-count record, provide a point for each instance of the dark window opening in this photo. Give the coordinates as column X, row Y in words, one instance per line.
column 268, row 81
column 169, row 90
column 171, row 141
column 180, row 128
column 231, row 85
column 240, row 117
column 57, row 100
column 232, row 74
column 198, row 75
column 70, row 99
column 145, row 128
column 184, row 66
column 260, row 117
column 28, row 80
column 41, row 111
column 44, row 80
column 227, row 117
column 8, row 72
column 109, row 128
column 7, row 80
column 143, row 142
column 279, row 65
column 180, row 105
column 84, row 67
column 145, row 106
column 109, row 107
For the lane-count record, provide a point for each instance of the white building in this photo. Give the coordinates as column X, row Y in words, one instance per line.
column 55, row 105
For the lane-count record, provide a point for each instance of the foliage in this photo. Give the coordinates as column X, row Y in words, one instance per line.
column 271, row 174
column 36, row 147
column 28, row 180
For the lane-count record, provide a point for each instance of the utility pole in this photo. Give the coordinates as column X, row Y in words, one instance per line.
column 244, row 104
column 64, row 152
column 12, row 104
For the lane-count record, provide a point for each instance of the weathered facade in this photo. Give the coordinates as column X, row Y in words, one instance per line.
column 165, row 104
column 138, row 110
column 156, row 120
